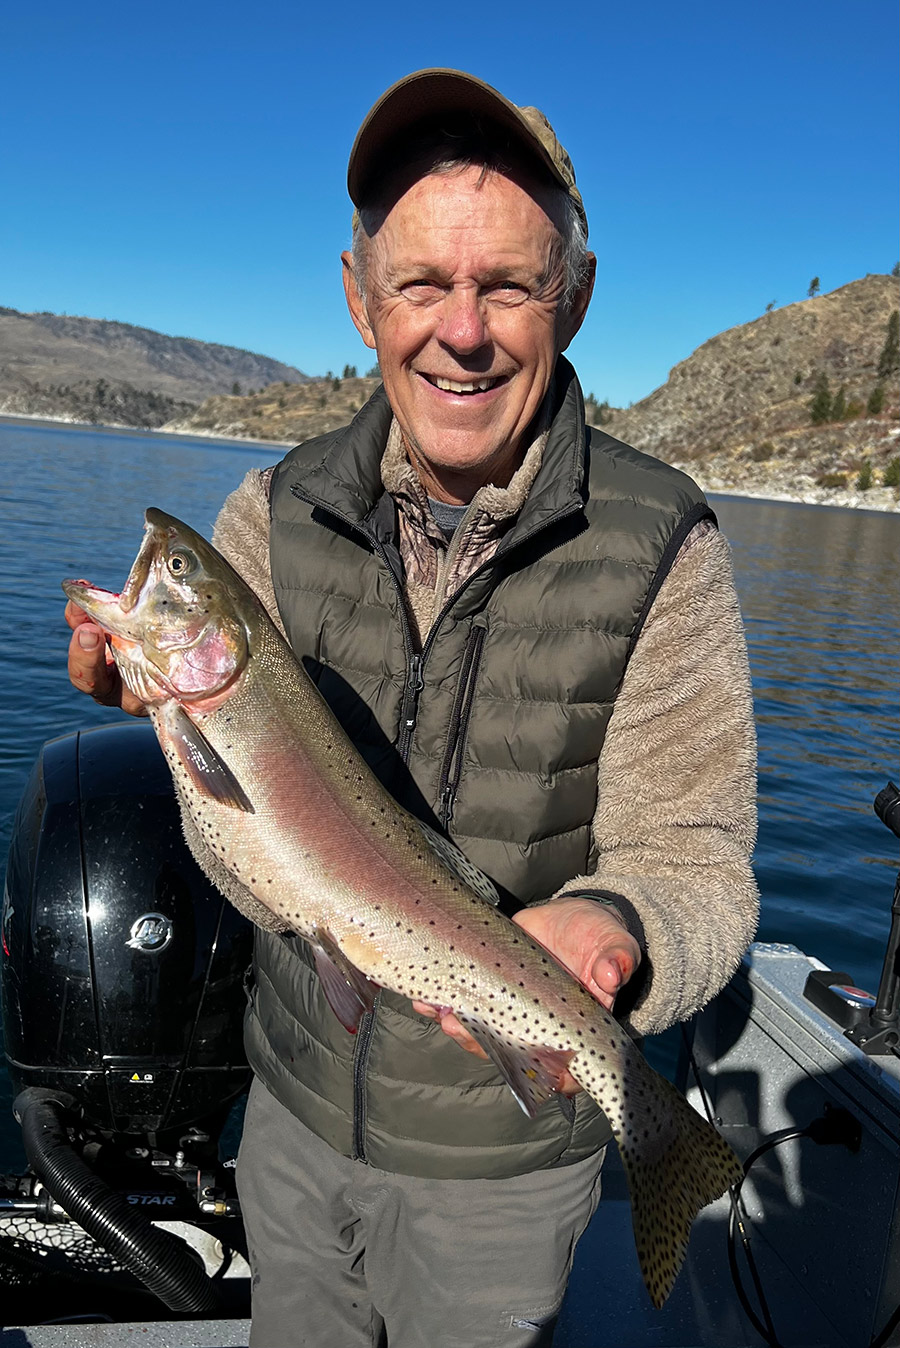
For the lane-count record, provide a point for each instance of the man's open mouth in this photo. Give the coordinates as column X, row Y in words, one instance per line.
column 468, row 386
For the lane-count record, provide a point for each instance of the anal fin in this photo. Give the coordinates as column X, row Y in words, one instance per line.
column 532, row 1073
column 349, row 992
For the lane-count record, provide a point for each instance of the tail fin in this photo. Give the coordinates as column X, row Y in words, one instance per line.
column 675, row 1162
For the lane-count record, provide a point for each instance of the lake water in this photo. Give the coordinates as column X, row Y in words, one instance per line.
column 820, row 589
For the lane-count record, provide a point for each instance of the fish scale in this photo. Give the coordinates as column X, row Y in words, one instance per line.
column 283, row 814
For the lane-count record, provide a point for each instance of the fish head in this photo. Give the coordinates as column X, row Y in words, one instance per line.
column 176, row 629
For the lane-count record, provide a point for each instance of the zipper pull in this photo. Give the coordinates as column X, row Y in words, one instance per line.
column 446, row 805
column 415, row 682
column 414, row 685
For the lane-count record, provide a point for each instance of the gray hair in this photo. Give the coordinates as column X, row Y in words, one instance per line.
column 573, row 249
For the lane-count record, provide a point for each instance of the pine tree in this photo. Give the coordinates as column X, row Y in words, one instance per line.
column 235, row 389
column 839, row 405
column 814, row 287
column 875, row 403
column 889, row 360
column 820, row 403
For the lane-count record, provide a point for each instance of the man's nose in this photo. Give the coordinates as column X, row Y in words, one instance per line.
column 462, row 321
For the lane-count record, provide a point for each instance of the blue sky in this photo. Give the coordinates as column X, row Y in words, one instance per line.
column 183, row 166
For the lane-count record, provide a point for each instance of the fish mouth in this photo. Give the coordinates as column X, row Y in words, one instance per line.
column 103, row 606
column 108, row 609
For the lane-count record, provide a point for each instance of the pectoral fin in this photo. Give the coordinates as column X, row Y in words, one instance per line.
column 211, row 776
column 532, row 1074
column 348, row 991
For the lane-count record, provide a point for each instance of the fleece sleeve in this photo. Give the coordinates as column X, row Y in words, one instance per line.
column 241, row 534
column 675, row 821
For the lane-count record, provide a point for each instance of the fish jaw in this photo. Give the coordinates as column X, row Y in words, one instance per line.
column 102, row 606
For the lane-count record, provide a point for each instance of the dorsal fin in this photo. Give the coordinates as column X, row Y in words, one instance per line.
column 460, row 865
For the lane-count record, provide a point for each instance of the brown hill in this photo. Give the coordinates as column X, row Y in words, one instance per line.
column 97, row 370
column 287, row 413
column 736, row 413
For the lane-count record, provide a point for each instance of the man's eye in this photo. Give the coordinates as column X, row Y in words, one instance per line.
column 508, row 290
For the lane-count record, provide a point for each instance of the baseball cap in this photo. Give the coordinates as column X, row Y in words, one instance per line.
column 425, row 94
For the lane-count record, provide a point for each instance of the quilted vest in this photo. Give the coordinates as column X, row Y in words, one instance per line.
column 492, row 731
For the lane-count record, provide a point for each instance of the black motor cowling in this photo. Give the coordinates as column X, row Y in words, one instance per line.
column 122, row 965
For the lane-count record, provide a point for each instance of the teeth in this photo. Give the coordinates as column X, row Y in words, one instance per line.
column 454, row 386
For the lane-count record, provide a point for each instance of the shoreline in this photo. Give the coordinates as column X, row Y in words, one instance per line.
column 881, row 500
column 115, row 428
column 884, row 500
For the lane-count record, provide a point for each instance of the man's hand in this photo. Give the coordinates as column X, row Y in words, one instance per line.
column 589, row 938
column 92, row 669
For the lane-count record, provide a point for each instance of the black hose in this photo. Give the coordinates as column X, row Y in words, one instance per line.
column 161, row 1261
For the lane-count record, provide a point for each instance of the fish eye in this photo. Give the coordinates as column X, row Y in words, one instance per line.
column 179, row 564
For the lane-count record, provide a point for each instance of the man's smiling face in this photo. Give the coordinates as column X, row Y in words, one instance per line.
column 464, row 285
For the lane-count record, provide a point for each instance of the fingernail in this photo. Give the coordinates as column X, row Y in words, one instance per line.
column 88, row 638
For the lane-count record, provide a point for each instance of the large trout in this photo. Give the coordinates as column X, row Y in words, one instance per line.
column 272, row 786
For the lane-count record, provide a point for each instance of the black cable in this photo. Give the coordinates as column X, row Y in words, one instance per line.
column 735, row 1217
column 835, row 1126
column 163, row 1262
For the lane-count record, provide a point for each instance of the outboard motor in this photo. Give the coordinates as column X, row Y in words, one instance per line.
column 122, row 973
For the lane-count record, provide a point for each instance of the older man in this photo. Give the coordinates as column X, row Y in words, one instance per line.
column 531, row 632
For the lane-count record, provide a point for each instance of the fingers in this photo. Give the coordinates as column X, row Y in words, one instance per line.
column 89, row 670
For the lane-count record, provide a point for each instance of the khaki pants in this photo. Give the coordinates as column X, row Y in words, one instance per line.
column 346, row 1256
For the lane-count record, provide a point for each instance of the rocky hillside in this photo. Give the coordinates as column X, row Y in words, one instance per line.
column 90, row 369
column 738, row 413
column 283, row 412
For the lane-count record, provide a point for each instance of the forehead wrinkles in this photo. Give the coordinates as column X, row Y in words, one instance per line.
column 457, row 228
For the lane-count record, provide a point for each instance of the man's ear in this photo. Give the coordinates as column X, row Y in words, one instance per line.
column 572, row 319
column 355, row 302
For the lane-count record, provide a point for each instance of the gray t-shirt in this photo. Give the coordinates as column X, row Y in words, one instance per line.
column 446, row 517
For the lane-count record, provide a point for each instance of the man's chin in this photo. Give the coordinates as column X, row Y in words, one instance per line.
column 447, row 460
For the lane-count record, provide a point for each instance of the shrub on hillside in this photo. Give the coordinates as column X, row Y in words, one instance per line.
column 889, row 360
column 875, row 403
column 820, row 403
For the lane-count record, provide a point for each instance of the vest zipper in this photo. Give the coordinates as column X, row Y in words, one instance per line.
column 451, row 767
column 361, row 1051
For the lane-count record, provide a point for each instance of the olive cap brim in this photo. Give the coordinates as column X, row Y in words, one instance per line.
column 426, row 93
